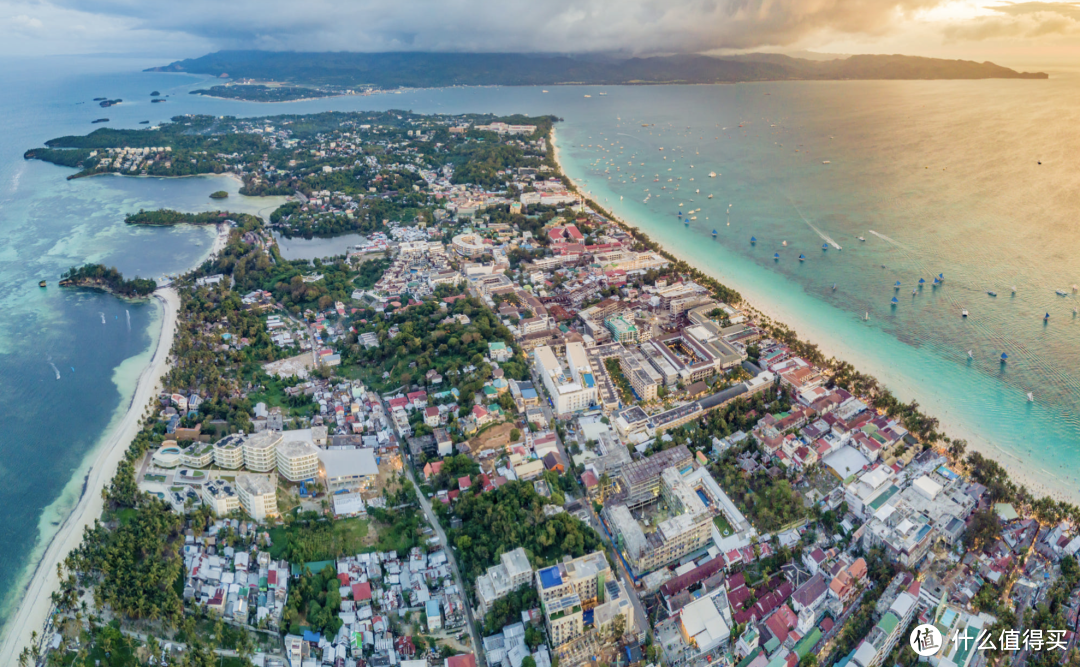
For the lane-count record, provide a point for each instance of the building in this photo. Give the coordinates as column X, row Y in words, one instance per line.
column 260, row 451
column 220, row 496
column 571, row 387
column 434, row 615
column 512, row 572
column 347, row 469
column 877, row 646
column 622, row 330
column 197, row 455
column 566, row 589
column 257, row 495
column 297, row 458
column 705, row 624
column 229, row 452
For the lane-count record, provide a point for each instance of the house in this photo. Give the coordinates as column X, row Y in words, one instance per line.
column 811, row 594
column 418, row 399
column 552, row 461
column 431, row 416
column 432, row 469
column 499, row 351
column 443, row 443
column 847, row 580
column 434, row 616
column 466, row 660
column 481, row 415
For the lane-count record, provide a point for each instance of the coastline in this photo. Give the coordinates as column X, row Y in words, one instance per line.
column 33, row 611
column 753, row 301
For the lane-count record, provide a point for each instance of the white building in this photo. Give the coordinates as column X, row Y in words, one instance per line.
column 260, row 451
column 572, row 387
column 512, row 572
column 297, row 458
column 347, row 469
column 258, row 496
column 229, row 452
column 220, row 496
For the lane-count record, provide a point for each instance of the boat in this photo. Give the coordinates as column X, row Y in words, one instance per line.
column 714, row 232
column 710, row 196
column 823, row 161
column 41, row 284
column 1061, row 292
column 1046, row 317
column 679, row 214
column 1014, row 289
column 922, row 281
column 712, row 174
column 991, row 292
column 862, row 239
column 914, row 292
column 1004, row 357
column 824, row 246
column 1031, row 397
column 834, row 287
column 693, row 217
column 802, row 258
column 753, row 240
column 866, row 317
column 941, row 277
column 588, row 96
column 897, row 285
column 784, row 243
column 970, row 355
column 963, row 312
column 895, row 301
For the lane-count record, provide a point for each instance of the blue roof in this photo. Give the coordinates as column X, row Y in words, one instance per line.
column 432, row 608
column 551, row 577
column 528, row 393
column 310, row 636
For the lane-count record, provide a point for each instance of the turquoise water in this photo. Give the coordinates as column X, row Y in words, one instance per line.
column 983, row 213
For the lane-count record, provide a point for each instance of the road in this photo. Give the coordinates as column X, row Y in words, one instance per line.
column 640, row 618
column 478, row 648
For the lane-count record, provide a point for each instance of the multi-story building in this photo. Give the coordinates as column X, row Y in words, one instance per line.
column 260, row 451
column 877, row 646
column 572, row 387
column 197, row 455
column 567, row 590
column 257, row 495
column 622, row 330
column 641, row 375
column 229, row 452
column 512, row 572
column 297, row 458
column 220, row 496
column 640, row 480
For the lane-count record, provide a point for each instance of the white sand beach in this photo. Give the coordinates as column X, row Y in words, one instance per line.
column 32, row 612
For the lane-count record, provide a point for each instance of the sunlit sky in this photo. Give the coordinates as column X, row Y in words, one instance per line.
column 1016, row 34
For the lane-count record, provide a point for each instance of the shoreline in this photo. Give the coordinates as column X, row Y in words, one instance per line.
column 32, row 613
column 752, row 301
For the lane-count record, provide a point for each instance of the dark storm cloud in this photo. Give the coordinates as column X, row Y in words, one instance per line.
column 633, row 26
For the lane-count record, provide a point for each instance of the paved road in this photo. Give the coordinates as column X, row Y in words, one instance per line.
column 478, row 648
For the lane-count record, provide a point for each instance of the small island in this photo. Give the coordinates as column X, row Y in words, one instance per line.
column 99, row 120
column 109, row 103
column 157, row 101
column 155, row 94
column 109, row 279
column 220, row 194
column 164, row 217
column 261, row 93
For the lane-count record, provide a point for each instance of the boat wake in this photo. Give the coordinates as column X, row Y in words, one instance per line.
column 887, row 239
column 824, row 237
column 55, row 370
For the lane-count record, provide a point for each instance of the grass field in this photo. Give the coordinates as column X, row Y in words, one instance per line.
column 323, row 541
column 723, row 525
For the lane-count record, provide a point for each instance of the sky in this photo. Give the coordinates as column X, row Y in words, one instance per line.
column 1009, row 33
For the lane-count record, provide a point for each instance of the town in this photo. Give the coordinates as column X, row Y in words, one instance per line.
column 506, row 429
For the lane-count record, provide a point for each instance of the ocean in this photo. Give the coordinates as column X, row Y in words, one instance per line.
column 938, row 177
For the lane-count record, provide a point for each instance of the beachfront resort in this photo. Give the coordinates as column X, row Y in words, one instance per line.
column 505, row 429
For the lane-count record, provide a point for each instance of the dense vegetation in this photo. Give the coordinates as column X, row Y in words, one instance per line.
column 107, row 278
column 512, row 516
column 165, row 216
column 421, row 70
column 260, row 93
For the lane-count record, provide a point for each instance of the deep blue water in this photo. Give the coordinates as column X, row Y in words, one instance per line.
column 945, row 172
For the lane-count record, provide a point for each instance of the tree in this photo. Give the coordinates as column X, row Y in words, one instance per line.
column 515, row 435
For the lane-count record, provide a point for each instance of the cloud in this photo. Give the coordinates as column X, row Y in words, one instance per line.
column 1019, row 20
column 629, row 26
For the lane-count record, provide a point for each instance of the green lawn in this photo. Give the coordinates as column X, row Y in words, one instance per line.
column 321, row 540
column 154, row 478
column 723, row 525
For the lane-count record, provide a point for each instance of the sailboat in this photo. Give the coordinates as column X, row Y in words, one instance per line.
column 802, row 258
column 753, row 240
column 897, row 285
column 895, row 301
column 1004, row 357
column 866, row 317
column 710, row 196
column 834, row 287
column 1046, row 317
column 784, row 243
column 824, row 246
column 970, row 355
column 714, row 232
column 1031, row 397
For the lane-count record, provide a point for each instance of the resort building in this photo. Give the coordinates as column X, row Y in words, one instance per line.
column 229, row 452
column 220, row 496
column 622, row 330
column 257, row 495
column 569, row 588
column 197, row 455
column 297, row 458
column 512, row 572
column 347, row 469
column 877, row 646
column 260, row 451
column 572, row 387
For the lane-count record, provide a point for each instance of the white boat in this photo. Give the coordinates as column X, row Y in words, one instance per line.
column 712, row 174
column 1031, row 397
column 825, row 162
column 588, row 96
column 862, row 239
column 710, row 196
column 1061, row 292
column 963, row 312
column 970, row 356
column 784, row 244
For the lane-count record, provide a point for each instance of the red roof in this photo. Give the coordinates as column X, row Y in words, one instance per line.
column 343, row 578
column 466, row 660
column 361, row 592
column 431, row 411
column 589, row 479
column 574, row 233
column 397, row 402
column 464, row 482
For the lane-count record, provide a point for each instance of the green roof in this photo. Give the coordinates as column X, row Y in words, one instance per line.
column 750, row 658
column 1006, row 512
column 883, row 497
column 497, row 345
column 888, row 623
column 807, row 643
column 772, row 645
column 314, row 567
column 777, row 662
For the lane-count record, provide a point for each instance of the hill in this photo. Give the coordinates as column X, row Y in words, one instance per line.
column 345, row 70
